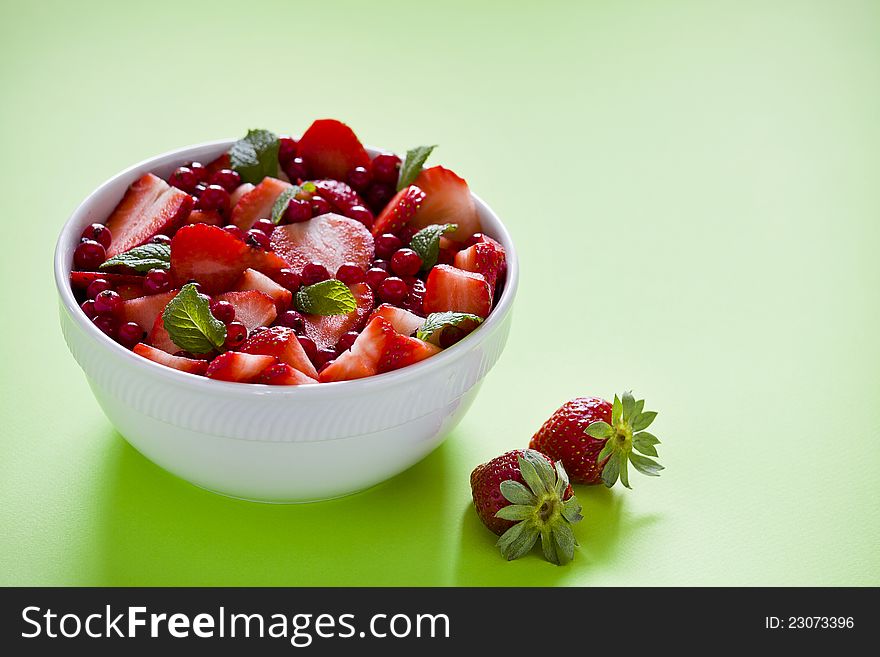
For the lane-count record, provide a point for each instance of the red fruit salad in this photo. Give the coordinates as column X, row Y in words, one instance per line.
column 290, row 262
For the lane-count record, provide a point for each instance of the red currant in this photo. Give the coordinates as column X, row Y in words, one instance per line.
column 99, row 233
column 292, row 319
column 406, row 262
column 359, row 178
column 236, row 334
column 297, row 211
column 349, row 273
column 313, row 273
column 387, row 244
column 88, row 255
column 129, row 334
column 225, row 178
column 214, row 198
column 385, row 168
column 96, row 287
column 393, row 290
column 289, row 279
column 264, row 225
column 185, row 179
column 156, row 281
column 108, row 302
column 223, row 310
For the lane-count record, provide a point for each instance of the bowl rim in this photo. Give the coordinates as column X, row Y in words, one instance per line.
column 63, row 267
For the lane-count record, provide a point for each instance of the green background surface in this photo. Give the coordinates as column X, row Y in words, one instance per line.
column 693, row 188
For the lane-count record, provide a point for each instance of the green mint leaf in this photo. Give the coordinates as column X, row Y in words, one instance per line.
column 190, row 324
column 281, row 203
column 142, row 258
column 436, row 322
column 255, row 157
column 330, row 297
column 412, row 165
column 427, row 243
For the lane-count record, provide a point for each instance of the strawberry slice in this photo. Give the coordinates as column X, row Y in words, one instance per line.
column 282, row 374
column 449, row 288
column 448, row 200
column 238, row 367
column 215, row 165
column 216, row 259
column 331, row 240
column 150, row 206
column 143, row 311
column 338, row 194
column 399, row 211
column 130, row 291
column 257, row 203
column 325, row 331
column 330, row 149
column 159, row 337
column 403, row 321
column 239, row 191
column 282, row 343
column 486, row 257
column 80, row 280
column 177, row 362
column 379, row 348
column 252, row 308
column 254, row 280
column 210, row 217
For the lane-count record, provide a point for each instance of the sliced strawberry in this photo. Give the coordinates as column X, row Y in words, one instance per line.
column 252, row 308
column 80, row 280
column 148, row 208
column 282, row 374
column 401, row 351
column 330, row 149
column 400, row 210
column 331, row 240
column 159, row 337
column 130, row 291
column 254, row 280
column 403, row 321
column 449, row 288
column 257, row 203
column 190, row 365
column 486, row 257
column 143, row 311
column 448, row 200
column 338, row 194
column 216, row 259
column 325, row 331
column 215, row 165
column 238, row 367
column 282, row 343
column 239, row 191
column 210, row 217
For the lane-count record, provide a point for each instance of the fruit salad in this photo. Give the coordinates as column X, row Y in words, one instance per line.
column 288, row 262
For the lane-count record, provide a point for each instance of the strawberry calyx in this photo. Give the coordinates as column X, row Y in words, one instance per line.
column 539, row 510
column 625, row 436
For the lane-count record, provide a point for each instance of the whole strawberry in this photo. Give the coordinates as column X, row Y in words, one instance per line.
column 523, row 495
column 594, row 439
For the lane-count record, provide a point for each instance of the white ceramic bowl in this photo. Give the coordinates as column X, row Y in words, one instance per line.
column 275, row 443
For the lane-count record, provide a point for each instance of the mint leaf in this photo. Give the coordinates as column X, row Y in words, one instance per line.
column 190, row 324
column 330, row 297
column 436, row 322
column 255, row 156
column 427, row 243
column 412, row 165
column 281, row 203
column 142, row 258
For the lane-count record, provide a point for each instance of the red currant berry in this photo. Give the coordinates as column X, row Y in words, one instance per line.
column 387, row 244
column 289, row 279
column 214, row 198
column 292, row 319
column 99, row 233
column 235, row 231
column 236, row 334
column 320, row 205
column 223, row 310
column 88, row 307
column 361, row 214
column 406, row 262
column 296, row 169
column 264, row 225
column 107, row 324
column 225, row 178
column 314, row 273
column 309, row 347
column 297, row 211
column 381, row 264
column 88, row 255
column 375, row 277
column 156, row 281
column 385, row 168
column 359, row 178
column 379, row 194
column 185, row 179
column 286, row 150
column 108, row 302
column 349, row 273
column 258, row 239
column 323, row 356
column 96, row 287
column 201, row 172
column 129, row 334
column 161, row 239
column 393, row 290
column 346, row 341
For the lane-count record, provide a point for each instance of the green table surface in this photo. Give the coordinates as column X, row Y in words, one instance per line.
column 693, row 189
